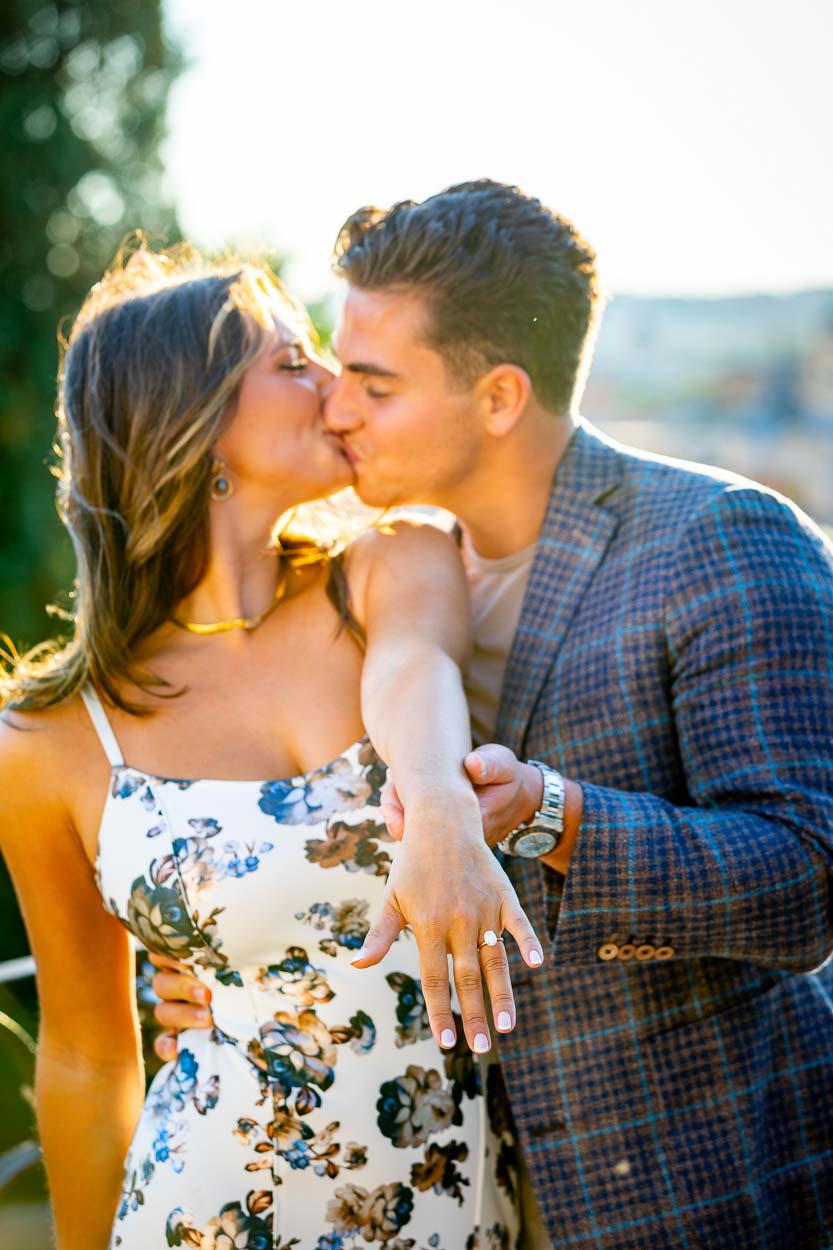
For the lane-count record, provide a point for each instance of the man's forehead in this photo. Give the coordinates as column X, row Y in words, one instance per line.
column 390, row 320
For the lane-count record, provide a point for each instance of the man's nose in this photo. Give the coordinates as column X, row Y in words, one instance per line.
column 340, row 415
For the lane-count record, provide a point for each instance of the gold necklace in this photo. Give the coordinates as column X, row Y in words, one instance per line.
column 242, row 622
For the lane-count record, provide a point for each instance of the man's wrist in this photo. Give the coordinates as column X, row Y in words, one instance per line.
column 559, row 859
column 534, row 789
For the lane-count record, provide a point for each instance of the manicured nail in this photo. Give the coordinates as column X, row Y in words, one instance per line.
column 203, row 1015
column 504, row 1021
column 359, row 955
column 536, row 958
column 481, row 1043
column 201, row 994
column 447, row 1037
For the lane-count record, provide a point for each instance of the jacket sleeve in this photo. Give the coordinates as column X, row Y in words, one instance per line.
column 746, row 870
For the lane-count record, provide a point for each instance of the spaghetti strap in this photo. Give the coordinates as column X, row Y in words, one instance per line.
column 102, row 726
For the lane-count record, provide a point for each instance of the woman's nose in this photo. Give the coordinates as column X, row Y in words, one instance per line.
column 324, row 378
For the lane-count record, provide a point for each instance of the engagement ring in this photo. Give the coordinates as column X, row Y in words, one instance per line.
column 490, row 938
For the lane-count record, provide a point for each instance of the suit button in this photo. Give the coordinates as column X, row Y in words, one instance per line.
column 627, row 951
column 608, row 951
column 664, row 952
column 646, row 951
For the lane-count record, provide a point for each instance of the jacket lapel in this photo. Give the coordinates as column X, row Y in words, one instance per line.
column 574, row 537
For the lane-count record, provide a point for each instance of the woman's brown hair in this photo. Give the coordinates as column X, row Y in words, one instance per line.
column 147, row 382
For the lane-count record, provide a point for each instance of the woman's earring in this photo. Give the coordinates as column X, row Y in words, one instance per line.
column 221, row 484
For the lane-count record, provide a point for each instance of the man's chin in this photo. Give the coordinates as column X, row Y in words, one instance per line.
column 375, row 494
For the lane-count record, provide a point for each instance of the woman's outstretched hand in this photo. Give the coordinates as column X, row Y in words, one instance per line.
column 449, row 889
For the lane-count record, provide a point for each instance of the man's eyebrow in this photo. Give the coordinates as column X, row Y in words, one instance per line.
column 369, row 369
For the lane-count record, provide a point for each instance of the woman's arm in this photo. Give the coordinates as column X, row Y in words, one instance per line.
column 89, row 1081
column 408, row 590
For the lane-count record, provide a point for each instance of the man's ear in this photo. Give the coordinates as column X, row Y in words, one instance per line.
column 505, row 392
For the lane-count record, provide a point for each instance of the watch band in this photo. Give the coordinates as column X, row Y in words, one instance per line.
column 542, row 832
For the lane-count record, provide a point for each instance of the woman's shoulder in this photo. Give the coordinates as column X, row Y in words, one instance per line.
column 403, row 535
column 40, row 750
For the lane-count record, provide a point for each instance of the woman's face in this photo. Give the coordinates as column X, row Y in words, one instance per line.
column 276, row 443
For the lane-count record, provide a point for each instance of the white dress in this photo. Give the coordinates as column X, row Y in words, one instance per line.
column 318, row 1112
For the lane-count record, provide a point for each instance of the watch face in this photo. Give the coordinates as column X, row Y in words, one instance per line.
column 533, row 843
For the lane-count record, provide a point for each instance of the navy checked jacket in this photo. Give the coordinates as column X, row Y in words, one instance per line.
column 671, row 1072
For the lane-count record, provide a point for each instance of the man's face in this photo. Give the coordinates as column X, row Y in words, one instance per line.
column 411, row 435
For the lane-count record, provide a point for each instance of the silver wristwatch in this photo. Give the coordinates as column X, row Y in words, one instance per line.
column 542, row 832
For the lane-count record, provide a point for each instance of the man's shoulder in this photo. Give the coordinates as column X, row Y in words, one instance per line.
column 653, row 483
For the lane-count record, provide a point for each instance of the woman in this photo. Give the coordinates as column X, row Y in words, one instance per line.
column 320, row 1111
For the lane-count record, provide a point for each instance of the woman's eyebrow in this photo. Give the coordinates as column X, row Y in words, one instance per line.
column 283, row 344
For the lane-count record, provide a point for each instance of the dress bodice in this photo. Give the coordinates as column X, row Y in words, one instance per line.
column 322, row 1083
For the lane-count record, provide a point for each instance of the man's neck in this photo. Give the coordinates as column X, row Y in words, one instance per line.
column 502, row 506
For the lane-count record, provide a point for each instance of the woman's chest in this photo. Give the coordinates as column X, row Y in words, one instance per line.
column 206, row 870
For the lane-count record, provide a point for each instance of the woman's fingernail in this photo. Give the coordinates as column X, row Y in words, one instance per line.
column 447, row 1037
column 359, row 955
column 504, row 1021
column 536, row 958
column 203, row 1015
column 481, row 1043
column 201, row 994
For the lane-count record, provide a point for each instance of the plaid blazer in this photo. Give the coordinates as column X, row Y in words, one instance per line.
column 671, row 1072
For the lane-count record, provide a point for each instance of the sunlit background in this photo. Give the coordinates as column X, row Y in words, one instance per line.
column 690, row 143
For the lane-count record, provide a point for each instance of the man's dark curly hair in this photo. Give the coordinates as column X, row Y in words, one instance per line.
column 505, row 281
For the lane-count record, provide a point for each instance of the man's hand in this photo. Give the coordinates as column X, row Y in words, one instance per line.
column 507, row 790
column 185, row 1003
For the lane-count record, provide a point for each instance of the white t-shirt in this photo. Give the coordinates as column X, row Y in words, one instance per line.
column 497, row 589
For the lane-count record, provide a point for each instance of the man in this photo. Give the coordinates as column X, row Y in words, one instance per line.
column 659, row 637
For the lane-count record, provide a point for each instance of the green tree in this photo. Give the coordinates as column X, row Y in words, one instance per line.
column 82, row 107
column 83, row 90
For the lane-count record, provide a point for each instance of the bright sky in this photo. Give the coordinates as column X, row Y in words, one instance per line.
column 690, row 142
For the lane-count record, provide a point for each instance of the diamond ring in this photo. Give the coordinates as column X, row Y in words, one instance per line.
column 490, row 938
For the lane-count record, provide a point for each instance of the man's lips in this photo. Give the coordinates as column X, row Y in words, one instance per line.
column 350, row 452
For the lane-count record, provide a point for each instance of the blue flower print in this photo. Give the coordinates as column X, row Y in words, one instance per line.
column 411, row 1013
column 159, row 918
column 330, row 1241
column 363, row 1033
column 126, row 783
column 297, row 1156
column 316, row 797
column 296, row 978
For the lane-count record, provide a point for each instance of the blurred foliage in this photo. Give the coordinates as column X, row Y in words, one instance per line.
column 83, row 89
column 82, row 103
column 18, row 1134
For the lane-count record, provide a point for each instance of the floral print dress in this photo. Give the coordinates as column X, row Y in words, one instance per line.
column 318, row 1112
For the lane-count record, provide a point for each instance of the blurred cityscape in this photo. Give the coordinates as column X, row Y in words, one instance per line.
column 745, row 383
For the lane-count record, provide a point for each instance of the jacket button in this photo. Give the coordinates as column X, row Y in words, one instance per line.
column 664, row 952
column 646, row 951
column 608, row 951
column 627, row 951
